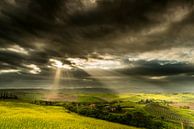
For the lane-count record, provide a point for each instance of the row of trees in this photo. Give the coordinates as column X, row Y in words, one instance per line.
column 114, row 112
column 111, row 112
column 138, row 118
column 7, row 95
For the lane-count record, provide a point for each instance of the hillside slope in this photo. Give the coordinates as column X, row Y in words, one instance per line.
column 16, row 115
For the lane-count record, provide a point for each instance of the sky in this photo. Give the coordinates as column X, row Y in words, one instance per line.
column 133, row 45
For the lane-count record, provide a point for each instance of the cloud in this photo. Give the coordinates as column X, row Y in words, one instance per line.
column 103, row 28
column 92, row 63
column 158, row 68
column 9, row 71
column 15, row 49
column 34, row 69
column 135, row 38
column 58, row 64
column 176, row 54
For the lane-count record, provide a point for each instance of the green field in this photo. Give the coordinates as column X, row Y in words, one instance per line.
column 78, row 110
column 171, row 97
column 17, row 115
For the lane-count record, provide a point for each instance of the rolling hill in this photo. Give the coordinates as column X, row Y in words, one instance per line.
column 18, row 115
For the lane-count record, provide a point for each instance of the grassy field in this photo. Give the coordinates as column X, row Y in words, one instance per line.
column 18, row 115
column 173, row 97
column 170, row 108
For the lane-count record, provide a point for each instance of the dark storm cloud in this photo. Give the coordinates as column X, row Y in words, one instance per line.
column 11, row 60
column 78, row 27
column 34, row 31
column 158, row 68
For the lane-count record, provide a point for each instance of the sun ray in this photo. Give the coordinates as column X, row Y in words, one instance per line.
column 60, row 71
